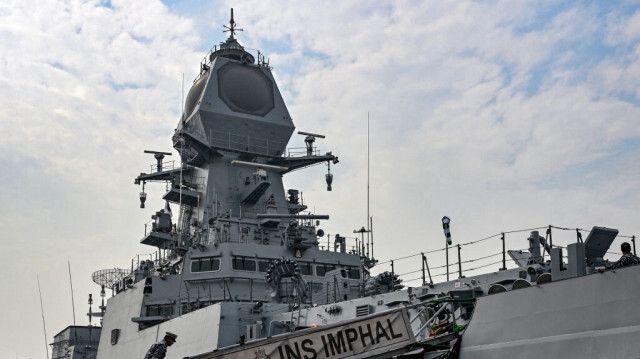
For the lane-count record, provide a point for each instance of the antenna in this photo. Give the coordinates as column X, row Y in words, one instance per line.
column 90, row 310
column 182, row 102
column 373, row 257
column 73, row 306
column 44, row 327
column 310, row 134
column 181, row 213
column 368, row 215
column 309, row 140
column 231, row 29
column 109, row 277
column 159, row 156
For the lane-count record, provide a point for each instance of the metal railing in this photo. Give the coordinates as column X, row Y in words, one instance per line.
column 460, row 267
column 166, row 166
column 231, row 141
column 237, row 142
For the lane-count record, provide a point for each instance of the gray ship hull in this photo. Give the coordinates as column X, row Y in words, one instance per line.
column 595, row 316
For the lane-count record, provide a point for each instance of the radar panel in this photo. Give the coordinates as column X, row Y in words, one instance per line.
column 245, row 89
column 109, row 277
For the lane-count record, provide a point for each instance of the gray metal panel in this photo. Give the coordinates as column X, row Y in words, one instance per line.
column 584, row 317
column 160, row 239
column 598, row 242
column 219, row 121
column 521, row 258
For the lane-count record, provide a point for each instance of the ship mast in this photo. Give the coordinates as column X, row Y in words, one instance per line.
column 231, row 29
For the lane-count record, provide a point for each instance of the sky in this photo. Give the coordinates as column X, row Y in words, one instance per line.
column 502, row 115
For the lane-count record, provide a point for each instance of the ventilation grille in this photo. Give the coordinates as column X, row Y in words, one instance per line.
column 363, row 310
column 115, row 333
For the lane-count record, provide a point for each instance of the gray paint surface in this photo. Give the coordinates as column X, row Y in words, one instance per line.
column 594, row 316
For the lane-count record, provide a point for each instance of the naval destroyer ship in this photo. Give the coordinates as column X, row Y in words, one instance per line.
column 239, row 271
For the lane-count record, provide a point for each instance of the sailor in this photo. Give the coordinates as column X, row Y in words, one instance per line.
column 159, row 349
column 626, row 260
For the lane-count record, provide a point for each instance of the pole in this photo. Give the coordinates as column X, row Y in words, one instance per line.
column 459, row 263
column 447, row 255
column 182, row 101
column 426, row 264
column 371, row 230
column 368, row 171
column 393, row 275
column 424, row 280
column 73, row 307
column 44, row 327
column 447, row 234
column 633, row 240
column 504, row 255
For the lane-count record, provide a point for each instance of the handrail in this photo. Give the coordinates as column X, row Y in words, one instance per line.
column 497, row 235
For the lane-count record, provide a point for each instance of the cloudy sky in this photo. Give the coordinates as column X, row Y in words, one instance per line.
column 502, row 115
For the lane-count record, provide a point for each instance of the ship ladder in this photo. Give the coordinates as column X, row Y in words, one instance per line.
column 444, row 338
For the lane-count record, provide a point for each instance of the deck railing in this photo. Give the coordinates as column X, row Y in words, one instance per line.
column 458, row 267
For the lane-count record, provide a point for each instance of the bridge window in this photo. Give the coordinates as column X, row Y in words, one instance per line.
column 305, row 268
column 207, row 264
column 322, row 269
column 263, row 266
column 354, row 273
column 160, row 310
column 243, row 263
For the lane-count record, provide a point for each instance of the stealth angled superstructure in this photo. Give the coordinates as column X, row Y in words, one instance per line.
column 242, row 269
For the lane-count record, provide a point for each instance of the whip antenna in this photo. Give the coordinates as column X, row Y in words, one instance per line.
column 73, row 306
column 44, row 327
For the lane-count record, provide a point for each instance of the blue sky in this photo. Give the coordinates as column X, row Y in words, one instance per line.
column 500, row 114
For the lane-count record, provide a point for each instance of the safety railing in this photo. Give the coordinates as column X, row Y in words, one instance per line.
column 459, row 267
column 166, row 166
column 242, row 143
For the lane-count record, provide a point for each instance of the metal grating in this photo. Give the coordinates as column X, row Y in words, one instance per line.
column 115, row 333
column 363, row 310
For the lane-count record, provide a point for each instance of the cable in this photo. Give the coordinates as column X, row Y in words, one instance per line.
column 526, row 230
column 481, row 240
column 494, row 236
column 397, row 259
column 477, row 259
column 486, row 265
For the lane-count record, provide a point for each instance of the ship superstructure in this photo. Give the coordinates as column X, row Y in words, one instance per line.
column 239, row 270
column 235, row 216
column 241, row 243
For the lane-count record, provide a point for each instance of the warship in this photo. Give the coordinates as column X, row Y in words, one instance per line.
column 240, row 271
